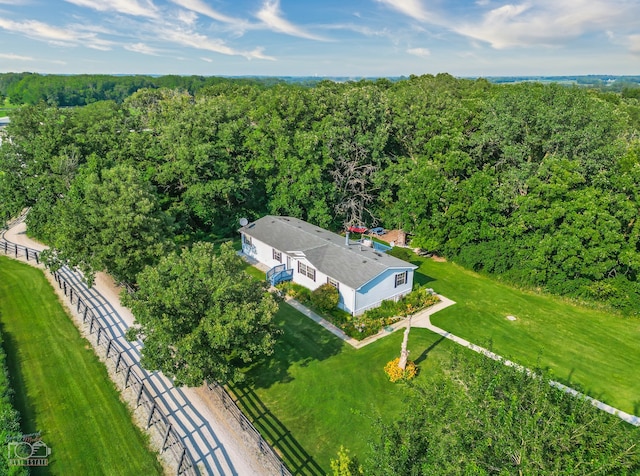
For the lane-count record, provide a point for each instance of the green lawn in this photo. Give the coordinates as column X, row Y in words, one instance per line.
column 62, row 389
column 584, row 348
column 317, row 393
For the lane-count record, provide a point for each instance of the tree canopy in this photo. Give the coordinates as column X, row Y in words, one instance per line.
column 200, row 316
column 535, row 183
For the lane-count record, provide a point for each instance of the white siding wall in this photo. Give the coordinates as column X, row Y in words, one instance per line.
column 382, row 288
column 355, row 302
column 261, row 252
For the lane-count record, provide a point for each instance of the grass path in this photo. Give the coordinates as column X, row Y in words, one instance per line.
column 62, row 389
column 587, row 349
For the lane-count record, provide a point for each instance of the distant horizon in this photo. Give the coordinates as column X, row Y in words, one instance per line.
column 328, row 38
column 397, row 77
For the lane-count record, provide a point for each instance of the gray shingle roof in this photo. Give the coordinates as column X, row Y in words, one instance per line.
column 353, row 265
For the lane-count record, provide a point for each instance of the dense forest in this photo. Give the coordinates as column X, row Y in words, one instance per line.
column 538, row 184
column 83, row 89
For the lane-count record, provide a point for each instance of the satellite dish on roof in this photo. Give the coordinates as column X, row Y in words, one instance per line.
column 244, row 222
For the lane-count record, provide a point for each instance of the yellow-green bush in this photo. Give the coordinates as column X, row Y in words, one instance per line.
column 395, row 373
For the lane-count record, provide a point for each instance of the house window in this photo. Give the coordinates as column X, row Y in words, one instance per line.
column 277, row 256
column 247, row 240
column 307, row 271
column 333, row 282
column 401, row 278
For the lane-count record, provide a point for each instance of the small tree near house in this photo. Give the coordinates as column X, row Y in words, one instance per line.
column 402, row 368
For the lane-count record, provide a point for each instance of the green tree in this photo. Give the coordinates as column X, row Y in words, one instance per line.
column 200, row 317
column 112, row 222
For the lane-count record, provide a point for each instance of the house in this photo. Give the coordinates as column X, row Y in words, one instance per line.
column 311, row 256
column 3, row 123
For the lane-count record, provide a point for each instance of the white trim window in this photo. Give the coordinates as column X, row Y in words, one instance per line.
column 307, row 271
column 401, row 278
column 333, row 283
column 277, row 255
column 247, row 240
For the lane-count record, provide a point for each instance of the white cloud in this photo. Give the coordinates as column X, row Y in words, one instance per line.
column 143, row 8
column 544, row 22
column 142, row 48
column 361, row 29
column 55, row 35
column 201, row 42
column 187, row 17
column 11, row 56
column 412, row 8
column 271, row 16
column 421, row 52
column 202, row 8
column 207, row 60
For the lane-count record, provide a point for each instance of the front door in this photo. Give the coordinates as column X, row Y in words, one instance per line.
column 288, row 262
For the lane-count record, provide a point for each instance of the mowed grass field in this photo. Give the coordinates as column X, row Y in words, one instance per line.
column 587, row 349
column 61, row 388
column 317, row 393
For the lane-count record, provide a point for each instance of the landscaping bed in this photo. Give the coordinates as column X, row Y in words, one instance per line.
column 373, row 320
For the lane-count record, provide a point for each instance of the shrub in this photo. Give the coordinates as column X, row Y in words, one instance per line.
column 395, row 373
column 325, row 297
column 296, row 291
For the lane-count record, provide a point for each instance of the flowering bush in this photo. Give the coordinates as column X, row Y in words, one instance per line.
column 325, row 298
column 395, row 373
column 296, row 291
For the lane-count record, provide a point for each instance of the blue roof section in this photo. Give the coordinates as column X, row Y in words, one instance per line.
column 353, row 264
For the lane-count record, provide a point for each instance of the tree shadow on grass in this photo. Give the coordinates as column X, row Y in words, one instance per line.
column 301, row 342
column 577, row 386
column 422, row 357
column 272, row 429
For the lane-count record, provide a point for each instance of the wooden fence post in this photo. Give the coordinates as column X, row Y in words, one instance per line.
column 166, row 437
column 153, row 409
column 139, row 394
column 184, row 452
column 118, row 361
column 126, row 377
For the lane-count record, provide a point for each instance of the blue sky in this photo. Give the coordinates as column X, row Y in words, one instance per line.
column 325, row 38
